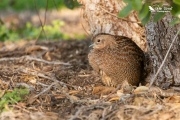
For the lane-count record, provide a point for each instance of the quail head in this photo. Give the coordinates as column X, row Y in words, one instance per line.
column 116, row 59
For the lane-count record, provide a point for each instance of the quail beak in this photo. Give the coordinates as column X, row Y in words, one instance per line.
column 91, row 45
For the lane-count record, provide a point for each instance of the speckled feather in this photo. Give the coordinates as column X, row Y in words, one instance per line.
column 122, row 61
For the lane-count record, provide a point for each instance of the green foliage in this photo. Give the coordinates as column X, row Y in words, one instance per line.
column 146, row 18
column 48, row 31
column 144, row 12
column 175, row 21
column 137, row 5
column 176, row 9
column 71, row 3
column 125, row 12
column 176, row 2
column 21, row 5
column 54, row 30
column 6, row 33
column 79, row 36
column 12, row 97
column 30, row 4
column 30, row 32
column 158, row 16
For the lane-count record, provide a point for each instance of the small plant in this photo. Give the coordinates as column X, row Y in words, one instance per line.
column 7, row 34
column 12, row 97
column 50, row 32
column 30, row 32
column 53, row 30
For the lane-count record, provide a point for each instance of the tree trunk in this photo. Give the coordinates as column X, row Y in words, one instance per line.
column 101, row 16
column 159, row 37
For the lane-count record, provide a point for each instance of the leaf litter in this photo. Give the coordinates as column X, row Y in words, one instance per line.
column 63, row 86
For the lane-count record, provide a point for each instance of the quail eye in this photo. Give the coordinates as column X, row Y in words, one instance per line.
column 98, row 40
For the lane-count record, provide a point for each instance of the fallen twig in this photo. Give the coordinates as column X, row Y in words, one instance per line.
column 42, row 84
column 45, row 90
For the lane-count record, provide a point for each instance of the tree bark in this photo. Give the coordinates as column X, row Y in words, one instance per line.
column 101, row 16
column 159, row 37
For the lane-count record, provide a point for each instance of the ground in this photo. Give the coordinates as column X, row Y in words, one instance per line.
column 63, row 86
column 73, row 70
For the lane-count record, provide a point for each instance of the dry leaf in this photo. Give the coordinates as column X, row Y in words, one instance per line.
column 47, row 68
column 35, row 48
column 165, row 116
column 116, row 98
column 21, row 104
column 4, row 85
column 47, row 56
column 141, row 89
column 31, row 98
column 74, row 92
column 59, row 96
column 27, row 78
column 73, row 98
column 173, row 99
column 144, row 101
column 120, row 92
column 102, row 90
column 33, row 81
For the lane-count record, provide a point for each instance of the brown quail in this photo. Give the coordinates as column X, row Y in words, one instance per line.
column 116, row 59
